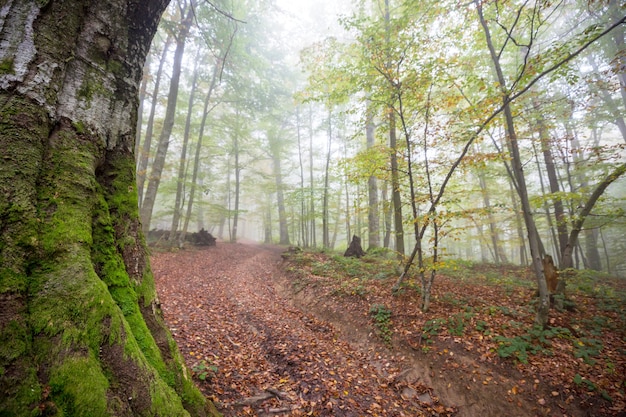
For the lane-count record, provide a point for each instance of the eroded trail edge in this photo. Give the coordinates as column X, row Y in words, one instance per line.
column 260, row 355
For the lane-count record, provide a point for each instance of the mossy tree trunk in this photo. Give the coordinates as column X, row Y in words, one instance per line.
column 81, row 332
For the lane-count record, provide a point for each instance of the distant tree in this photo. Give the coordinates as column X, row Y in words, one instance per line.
column 143, row 155
column 186, row 10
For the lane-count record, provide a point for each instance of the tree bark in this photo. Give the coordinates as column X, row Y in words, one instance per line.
column 81, row 329
column 386, row 214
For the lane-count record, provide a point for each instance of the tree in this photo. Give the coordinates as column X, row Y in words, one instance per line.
column 147, row 205
column 81, row 329
column 144, row 156
column 373, row 217
column 534, row 240
column 183, row 162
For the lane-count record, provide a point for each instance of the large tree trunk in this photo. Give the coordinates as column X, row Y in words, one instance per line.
column 81, row 330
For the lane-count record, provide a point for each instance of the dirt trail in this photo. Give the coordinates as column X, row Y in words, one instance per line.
column 261, row 355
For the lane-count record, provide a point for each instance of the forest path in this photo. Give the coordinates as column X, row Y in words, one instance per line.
column 263, row 356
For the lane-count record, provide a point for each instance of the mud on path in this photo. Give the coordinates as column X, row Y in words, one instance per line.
column 263, row 356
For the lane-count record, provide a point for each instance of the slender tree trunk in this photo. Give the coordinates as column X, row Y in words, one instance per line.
column 158, row 163
column 312, row 180
column 373, row 216
column 183, row 163
column 196, row 161
column 591, row 249
column 81, row 329
column 395, row 176
column 582, row 214
column 325, row 219
column 518, row 171
column 237, row 171
column 493, row 228
column 546, row 206
column 395, row 186
column 559, row 212
column 199, row 210
column 144, row 156
column 386, row 214
column 268, row 224
column 235, row 227
column 346, row 187
column 280, row 199
column 303, row 222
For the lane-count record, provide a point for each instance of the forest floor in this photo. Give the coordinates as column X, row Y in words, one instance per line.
column 316, row 334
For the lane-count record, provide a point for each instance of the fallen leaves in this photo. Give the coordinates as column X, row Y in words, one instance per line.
column 270, row 357
column 224, row 307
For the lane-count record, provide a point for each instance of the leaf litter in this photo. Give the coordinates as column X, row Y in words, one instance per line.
column 264, row 336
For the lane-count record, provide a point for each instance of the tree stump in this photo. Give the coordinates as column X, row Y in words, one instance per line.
column 355, row 249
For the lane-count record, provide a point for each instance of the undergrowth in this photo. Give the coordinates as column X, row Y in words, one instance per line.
column 488, row 309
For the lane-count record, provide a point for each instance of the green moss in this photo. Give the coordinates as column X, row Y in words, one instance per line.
column 80, row 127
column 22, row 151
column 25, row 393
column 112, row 271
column 78, row 387
column 115, row 66
column 109, row 264
column 165, row 402
column 14, row 341
column 122, row 193
column 92, row 85
column 6, row 66
column 72, row 303
column 68, row 197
